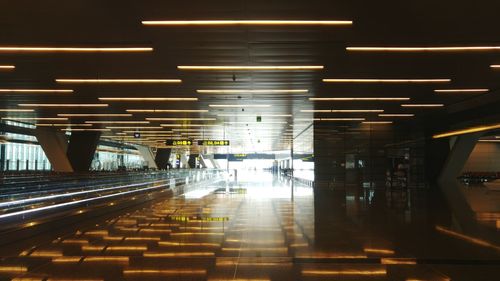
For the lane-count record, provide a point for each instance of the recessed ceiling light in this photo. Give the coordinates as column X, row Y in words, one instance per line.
column 124, row 81
column 342, row 110
column 360, row 99
column 397, row 115
column 461, row 90
column 167, row 110
column 15, row 110
column 245, row 22
column 34, row 119
column 117, row 122
column 425, row 49
column 36, row 91
column 148, row 99
column 423, row 105
column 467, row 131
column 94, row 115
column 47, row 49
column 63, row 104
column 298, row 91
column 244, row 68
column 335, row 80
column 239, row 105
column 181, row 119
column 7, row 67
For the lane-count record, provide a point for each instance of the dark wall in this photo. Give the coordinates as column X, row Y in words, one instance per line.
column 346, row 156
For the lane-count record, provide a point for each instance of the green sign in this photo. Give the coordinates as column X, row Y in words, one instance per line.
column 213, row 142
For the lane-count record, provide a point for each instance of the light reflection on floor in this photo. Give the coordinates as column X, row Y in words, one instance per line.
column 249, row 230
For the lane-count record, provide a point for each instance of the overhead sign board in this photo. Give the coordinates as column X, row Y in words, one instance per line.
column 178, row 142
column 213, row 142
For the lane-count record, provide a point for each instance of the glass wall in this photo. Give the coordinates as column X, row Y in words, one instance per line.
column 303, row 154
column 110, row 159
column 20, row 152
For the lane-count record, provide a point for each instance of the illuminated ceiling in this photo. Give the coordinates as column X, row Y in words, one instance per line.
column 237, row 70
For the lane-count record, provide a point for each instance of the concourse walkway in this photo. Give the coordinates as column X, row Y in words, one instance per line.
column 253, row 230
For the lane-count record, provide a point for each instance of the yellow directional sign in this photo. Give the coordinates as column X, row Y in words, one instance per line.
column 179, row 142
column 213, row 142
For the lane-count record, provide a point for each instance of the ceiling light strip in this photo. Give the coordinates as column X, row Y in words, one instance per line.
column 238, row 105
column 36, row 91
column 35, row 118
column 377, row 122
column 423, row 105
column 244, row 22
column 425, row 49
column 249, row 68
column 362, row 99
column 167, row 110
column 461, row 90
column 15, row 110
column 181, row 119
column 397, row 115
column 118, row 81
column 63, row 105
column 342, row 110
column 336, row 80
column 227, row 92
column 117, row 122
column 467, row 131
column 147, row 99
column 94, row 115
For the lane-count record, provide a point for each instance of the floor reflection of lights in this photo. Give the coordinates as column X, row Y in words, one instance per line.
column 267, row 237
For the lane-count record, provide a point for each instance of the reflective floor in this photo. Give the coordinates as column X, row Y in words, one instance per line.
column 262, row 228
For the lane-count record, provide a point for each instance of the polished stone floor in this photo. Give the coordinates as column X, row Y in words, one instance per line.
column 257, row 230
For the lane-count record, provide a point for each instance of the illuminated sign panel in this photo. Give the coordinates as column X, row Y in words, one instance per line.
column 213, row 142
column 179, row 142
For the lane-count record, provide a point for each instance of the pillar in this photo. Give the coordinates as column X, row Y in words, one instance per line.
column 162, row 157
column 147, row 155
column 460, row 151
column 462, row 147
column 55, row 145
column 192, row 160
column 81, row 149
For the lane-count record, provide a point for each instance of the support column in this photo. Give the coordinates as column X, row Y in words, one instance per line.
column 192, row 160
column 55, row 145
column 202, row 162
column 461, row 149
column 81, row 149
column 184, row 160
column 162, row 157
column 447, row 179
column 147, row 154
